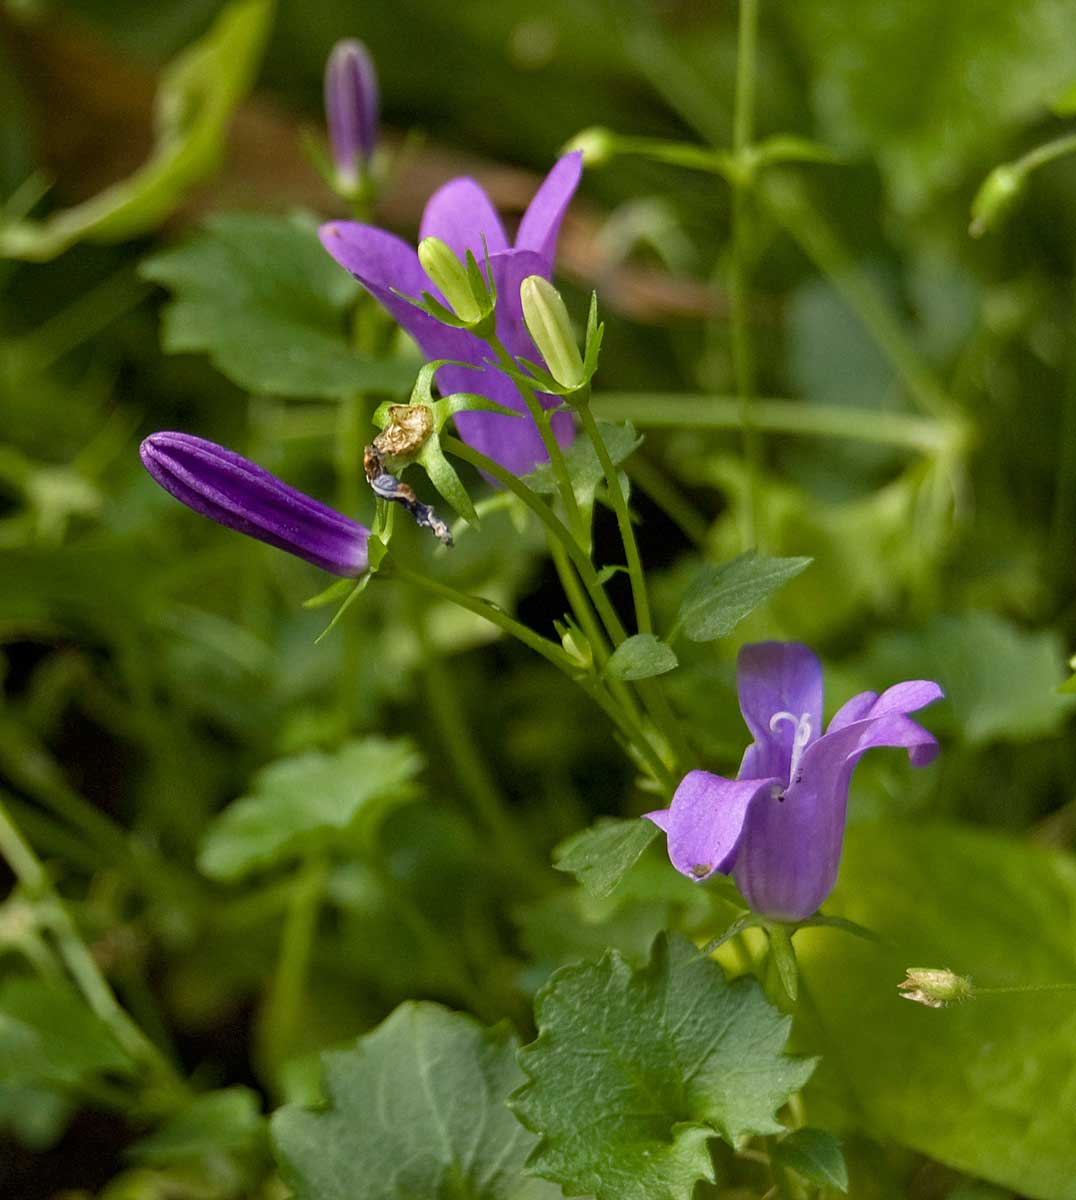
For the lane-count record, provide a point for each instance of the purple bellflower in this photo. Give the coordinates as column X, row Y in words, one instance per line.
column 233, row 491
column 461, row 215
column 778, row 827
column 351, row 110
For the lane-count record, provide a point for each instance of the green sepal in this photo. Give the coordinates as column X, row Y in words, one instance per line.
column 376, row 549
column 444, row 478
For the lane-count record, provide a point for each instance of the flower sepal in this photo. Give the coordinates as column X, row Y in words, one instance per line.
column 573, row 384
column 419, row 425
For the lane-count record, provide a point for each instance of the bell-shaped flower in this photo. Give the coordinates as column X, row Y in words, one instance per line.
column 233, row 491
column 778, row 828
column 461, row 216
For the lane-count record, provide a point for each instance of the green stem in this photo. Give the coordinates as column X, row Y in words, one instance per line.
column 649, row 688
column 552, row 446
column 742, row 350
column 1046, row 153
column 788, row 202
column 448, row 714
column 623, row 517
column 657, row 410
column 78, row 959
column 284, row 1004
column 549, row 651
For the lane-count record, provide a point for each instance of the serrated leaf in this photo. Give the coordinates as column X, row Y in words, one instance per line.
column 599, row 857
column 720, row 597
column 50, row 1036
column 310, row 803
column 199, row 91
column 260, row 296
column 634, row 1071
column 816, row 1155
column 415, row 1109
column 641, row 657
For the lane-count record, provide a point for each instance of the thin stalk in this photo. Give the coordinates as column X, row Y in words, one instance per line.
column 743, row 122
column 789, row 203
column 448, row 713
column 284, row 1004
column 1046, row 153
column 551, row 653
column 623, row 518
column 649, row 689
column 553, row 524
column 552, row 446
column 657, row 410
column 77, row 957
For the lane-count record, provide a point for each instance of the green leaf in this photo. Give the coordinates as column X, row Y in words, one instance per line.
column 415, row 1109
column 1000, row 681
column 260, row 296
column 229, row 1120
column 634, row 1071
column 34, row 1115
column 1064, row 103
column 600, row 856
column 980, row 1086
column 816, row 1155
column 720, row 597
column 641, row 657
column 49, row 1036
column 310, row 803
column 869, row 64
column 584, row 469
column 199, row 91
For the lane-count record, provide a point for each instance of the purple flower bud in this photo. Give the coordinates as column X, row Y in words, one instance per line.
column 351, row 109
column 233, row 491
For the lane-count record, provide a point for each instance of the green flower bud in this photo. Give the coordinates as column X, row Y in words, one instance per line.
column 597, row 144
column 551, row 330
column 999, row 192
column 449, row 276
column 935, row 987
column 577, row 648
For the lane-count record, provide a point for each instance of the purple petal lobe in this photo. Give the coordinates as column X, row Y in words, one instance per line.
column 774, row 678
column 706, row 821
column 460, row 214
column 540, row 226
column 237, row 493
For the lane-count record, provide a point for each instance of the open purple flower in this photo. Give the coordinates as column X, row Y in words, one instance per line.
column 778, row 827
column 461, row 215
column 233, row 491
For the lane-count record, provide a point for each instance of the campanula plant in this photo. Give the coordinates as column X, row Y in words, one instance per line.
column 462, row 217
column 778, row 827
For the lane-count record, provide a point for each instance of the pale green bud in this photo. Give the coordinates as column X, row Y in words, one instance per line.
column 577, row 648
column 551, row 330
column 935, row 987
column 1000, row 190
column 449, row 276
column 597, row 144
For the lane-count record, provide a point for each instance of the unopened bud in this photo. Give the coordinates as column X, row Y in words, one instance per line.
column 1000, row 190
column 551, row 330
column 351, row 110
column 935, row 987
column 577, row 648
column 597, row 144
column 449, row 276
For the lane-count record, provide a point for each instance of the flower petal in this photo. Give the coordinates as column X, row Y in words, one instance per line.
column 460, row 214
column 771, row 678
column 541, row 222
column 385, row 264
column 706, row 819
